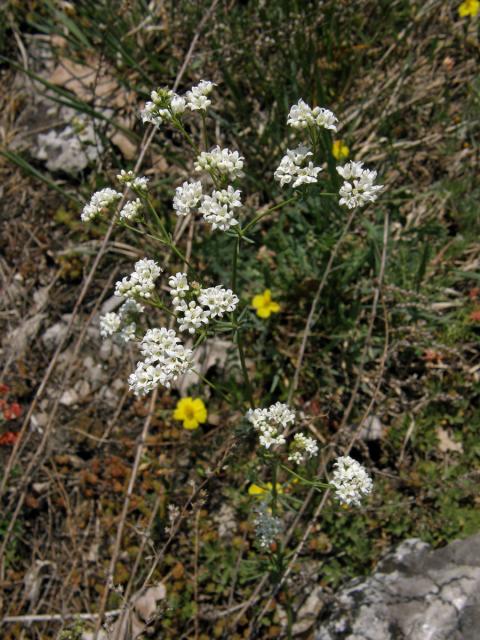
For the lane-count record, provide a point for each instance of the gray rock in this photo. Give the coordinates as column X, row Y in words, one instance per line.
column 415, row 593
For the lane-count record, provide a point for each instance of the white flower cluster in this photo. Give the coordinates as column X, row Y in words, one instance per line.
column 197, row 97
column 293, row 169
column 141, row 282
column 302, row 116
column 358, row 188
column 163, row 107
column 165, row 104
column 271, row 423
column 223, row 161
column 121, row 322
column 303, row 447
column 267, row 527
column 218, row 300
column 218, row 209
column 350, row 480
column 99, row 203
column 187, row 197
column 131, row 211
column 136, row 183
column 165, row 360
column 193, row 314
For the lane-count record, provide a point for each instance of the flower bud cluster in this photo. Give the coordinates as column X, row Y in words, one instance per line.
column 302, row 448
column 131, row 211
column 141, row 283
column 166, row 105
column 271, row 423
column 196, row 306
column 165, row 360
column 302, row 116
column 100, row 203
column 221, row 161
column 350, row 480
column 267, row 527
column 294, row 170
column 139, row 184
column 122, row 322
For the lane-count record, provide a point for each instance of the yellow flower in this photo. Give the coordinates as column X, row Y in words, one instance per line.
column 257, row 490
column 191, row 411
column 340, row 150
column 264, row 304
column 469, row 8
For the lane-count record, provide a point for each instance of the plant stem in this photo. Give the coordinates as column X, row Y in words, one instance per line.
column 244, row 371
column 236, row 250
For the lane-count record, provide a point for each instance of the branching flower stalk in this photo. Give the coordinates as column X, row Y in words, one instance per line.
column 199, row 312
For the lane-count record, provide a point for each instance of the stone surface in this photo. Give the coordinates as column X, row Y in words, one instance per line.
column 415, row 593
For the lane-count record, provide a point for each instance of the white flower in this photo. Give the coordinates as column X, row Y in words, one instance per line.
column 187, row 197
column 292, row 168
column 271, row 423
column 131, row 211
column 178, row 285
column 128, row 332
column 165, row 360
column 109, row 324
column 141, row 282
column 193, row 317
column 267, row 527
column 302, row 116
column 223, row 161
column 358, row 188
column 136, row 183
column 350, row 480
column 218, row 300
column 197, row 97
column 303, row 447
column 217, row 209
column 99, row 203
column 164, row 105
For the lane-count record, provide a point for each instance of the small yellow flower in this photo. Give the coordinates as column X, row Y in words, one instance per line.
column 191, row 411
column 264, row 304
column 340, row 150
column 257, row 490
column 469, row 8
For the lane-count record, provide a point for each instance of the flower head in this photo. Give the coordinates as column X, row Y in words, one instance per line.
column 271, row 423
column 163, row 107
column 469, row 8
column 302, row 116
column 293, row 168
column 223, row 161
column 197, row 99
column 358, row 188
column 218, row 209
column 303, row 447
column 218, row 300
column 351, row 481
column 264, row 304
column 340, row 151
column 141, row 282
column 187, row 197
column 191, row 411
column 136, row 183
column 131, row 211
column 100, row 203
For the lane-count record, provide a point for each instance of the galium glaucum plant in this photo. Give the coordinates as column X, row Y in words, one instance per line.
column 199, row 311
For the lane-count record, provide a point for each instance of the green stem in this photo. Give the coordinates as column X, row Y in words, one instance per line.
column 245, row 372
column 236, row 250
column 317, row 485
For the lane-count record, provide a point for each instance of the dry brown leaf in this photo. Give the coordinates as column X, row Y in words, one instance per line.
column 445, row 442
column 85, row 81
